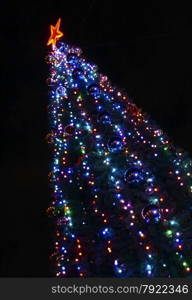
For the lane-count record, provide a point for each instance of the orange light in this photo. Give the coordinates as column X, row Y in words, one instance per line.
column 55, row 33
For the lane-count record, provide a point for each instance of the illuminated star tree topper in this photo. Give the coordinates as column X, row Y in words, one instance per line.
column 55, row 34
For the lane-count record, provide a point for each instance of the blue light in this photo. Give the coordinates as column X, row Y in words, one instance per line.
column 148, row 268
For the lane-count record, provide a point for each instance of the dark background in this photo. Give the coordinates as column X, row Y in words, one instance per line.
column 145, row 49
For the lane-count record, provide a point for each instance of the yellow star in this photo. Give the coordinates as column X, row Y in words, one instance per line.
column 55, row 33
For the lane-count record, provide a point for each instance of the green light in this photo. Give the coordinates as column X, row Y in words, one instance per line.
column 169, row 233
column 185, row 264
column 153, row 200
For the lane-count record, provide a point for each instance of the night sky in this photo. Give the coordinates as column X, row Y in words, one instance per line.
column 146, row 50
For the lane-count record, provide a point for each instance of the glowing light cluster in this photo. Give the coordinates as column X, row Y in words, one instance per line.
column 113, row 176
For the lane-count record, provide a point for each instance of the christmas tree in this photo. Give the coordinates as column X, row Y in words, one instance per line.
column 121, row 192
